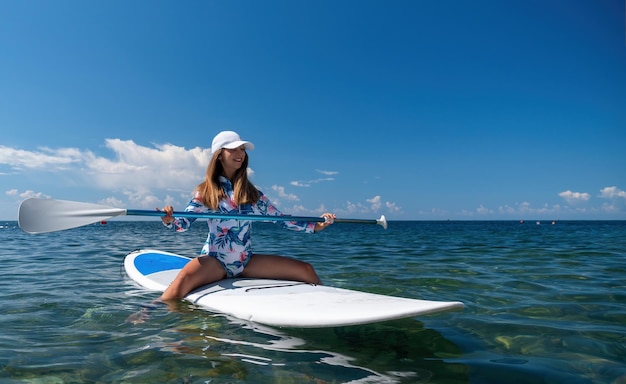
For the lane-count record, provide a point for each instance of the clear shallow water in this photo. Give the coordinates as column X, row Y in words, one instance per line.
column 544, row 304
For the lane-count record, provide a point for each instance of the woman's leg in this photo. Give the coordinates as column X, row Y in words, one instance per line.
column 199, row 271
column 280, row 267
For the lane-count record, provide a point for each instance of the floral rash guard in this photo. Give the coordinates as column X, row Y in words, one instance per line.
column 229, row 240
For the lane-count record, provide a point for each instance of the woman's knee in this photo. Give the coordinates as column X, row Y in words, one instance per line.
column 198, row 272
column 309, row 273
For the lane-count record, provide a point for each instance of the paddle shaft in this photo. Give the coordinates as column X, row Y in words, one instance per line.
column 235, row 216
column 224, row 216
column 48, row 215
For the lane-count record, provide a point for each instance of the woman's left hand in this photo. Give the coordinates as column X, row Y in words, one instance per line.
column 329, row 219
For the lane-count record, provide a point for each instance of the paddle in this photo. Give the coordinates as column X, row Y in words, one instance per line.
column 48, row 215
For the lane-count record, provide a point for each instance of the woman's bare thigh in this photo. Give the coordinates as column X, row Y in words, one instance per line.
column 197, row 272
column 280, row 267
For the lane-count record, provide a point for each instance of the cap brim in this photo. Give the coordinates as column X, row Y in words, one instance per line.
column 237, row 144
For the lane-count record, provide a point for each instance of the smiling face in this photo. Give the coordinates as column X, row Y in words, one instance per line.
column 232, row 160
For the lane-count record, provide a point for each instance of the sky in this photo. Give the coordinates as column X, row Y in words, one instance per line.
column 418, row 110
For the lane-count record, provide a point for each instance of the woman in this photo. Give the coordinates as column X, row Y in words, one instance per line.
column 227, row 251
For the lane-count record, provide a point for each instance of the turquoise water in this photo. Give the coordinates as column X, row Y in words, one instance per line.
column 544, row 304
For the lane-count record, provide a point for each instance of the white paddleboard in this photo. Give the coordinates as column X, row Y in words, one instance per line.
column 279, row 303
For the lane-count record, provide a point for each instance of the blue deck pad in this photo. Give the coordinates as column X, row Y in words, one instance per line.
column 149, row 263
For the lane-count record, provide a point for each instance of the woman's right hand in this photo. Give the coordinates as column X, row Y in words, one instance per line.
column 169, row 211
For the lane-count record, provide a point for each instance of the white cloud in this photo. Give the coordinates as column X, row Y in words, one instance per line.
column 134, row 170
column 141, row 198
column 327, row 173
column 507, row 210
column 526, row 210
column 321, row 209
column 575, row 197
column 26, row 194
column 310, row 182
column 154, row 175
column 434, row 212
column 351, row 207
column 299, row 209
column 112, row 202
column 132, row 165
column 482, row 210
column 375, row 203
column 283, row 194
column 43, row 158
column 137, row 175
column 612, row 193
column 38, row 195
column 610, row 208
column 392, row 207
column 140, row 168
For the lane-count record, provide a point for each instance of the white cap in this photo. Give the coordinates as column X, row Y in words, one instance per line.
column 229, row 140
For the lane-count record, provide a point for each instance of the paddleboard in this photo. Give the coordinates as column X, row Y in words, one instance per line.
column 280, row 303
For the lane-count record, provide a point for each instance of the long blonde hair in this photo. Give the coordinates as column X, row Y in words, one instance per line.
column 211, row 192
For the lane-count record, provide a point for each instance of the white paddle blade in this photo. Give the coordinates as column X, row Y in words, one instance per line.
column 382, row 221
column 49, row 215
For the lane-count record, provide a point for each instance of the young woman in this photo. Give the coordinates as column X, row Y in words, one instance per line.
column 227, row 251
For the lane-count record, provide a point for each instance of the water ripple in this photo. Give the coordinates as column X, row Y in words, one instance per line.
column 544, row 303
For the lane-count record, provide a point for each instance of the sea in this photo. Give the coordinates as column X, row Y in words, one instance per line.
column 545, row 302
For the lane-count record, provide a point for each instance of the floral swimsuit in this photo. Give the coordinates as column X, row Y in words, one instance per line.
column 229, row 239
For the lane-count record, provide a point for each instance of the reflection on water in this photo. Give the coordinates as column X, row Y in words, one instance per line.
column 390, row 352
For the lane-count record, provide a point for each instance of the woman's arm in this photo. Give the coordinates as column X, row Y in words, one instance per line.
column 182, row 224
column 265, row 207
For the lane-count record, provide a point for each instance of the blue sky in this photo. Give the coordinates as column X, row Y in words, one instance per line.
column 418, row 110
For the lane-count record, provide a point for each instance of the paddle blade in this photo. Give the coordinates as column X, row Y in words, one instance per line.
column 382, row 221
column 48, row 215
